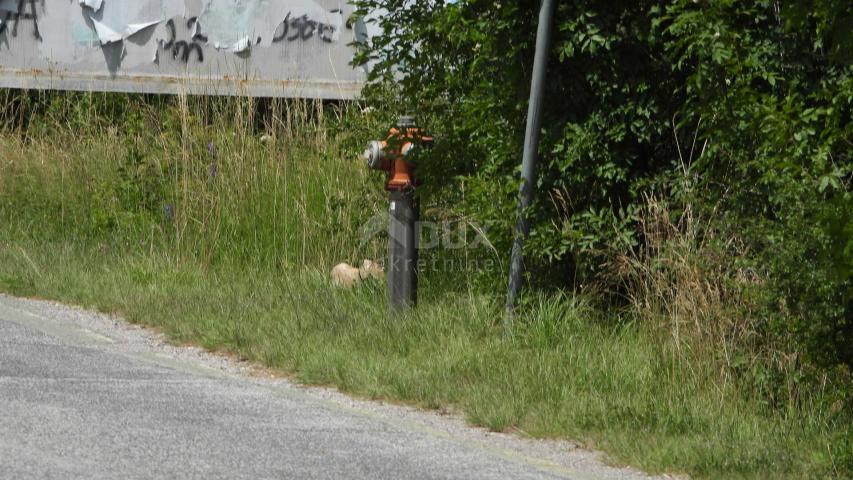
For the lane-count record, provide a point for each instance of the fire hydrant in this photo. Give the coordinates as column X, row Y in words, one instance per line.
column 393, row 156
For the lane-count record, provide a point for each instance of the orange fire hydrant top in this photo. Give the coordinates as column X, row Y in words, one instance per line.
column 401, row 173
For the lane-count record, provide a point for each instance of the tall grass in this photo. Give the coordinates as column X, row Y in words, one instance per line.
column 218, row 220
column 194, row 178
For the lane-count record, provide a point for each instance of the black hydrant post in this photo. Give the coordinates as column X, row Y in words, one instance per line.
column 403, row 250
column 531, row 153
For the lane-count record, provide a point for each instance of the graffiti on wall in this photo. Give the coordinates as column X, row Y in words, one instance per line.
column 13, row 12
column 280, row 40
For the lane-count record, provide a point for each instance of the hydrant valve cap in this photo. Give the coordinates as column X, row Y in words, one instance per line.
column 375, row 155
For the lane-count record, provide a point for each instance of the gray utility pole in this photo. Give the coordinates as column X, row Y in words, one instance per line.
column 531, row 154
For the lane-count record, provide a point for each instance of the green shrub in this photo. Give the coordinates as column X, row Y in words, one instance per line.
column 740, row 109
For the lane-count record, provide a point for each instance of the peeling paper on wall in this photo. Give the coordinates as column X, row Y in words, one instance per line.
column 227, row 23
column 134, row 28
column 128, row 17
column 337, row 21
column 93, row 4
column 106, row 34
column 243, row 45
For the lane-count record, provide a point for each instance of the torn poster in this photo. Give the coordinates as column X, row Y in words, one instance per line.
column 242, row 45
column 93, row 4
column 106, row 34
column 122, row 16
column 227, row 22
column 134, row 28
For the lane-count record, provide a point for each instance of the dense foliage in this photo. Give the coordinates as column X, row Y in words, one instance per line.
column 739, row 111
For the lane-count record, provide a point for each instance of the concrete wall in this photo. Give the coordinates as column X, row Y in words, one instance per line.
column 281, row 48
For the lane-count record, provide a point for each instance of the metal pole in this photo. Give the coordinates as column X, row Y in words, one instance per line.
column 403, row 250
column 531, row 154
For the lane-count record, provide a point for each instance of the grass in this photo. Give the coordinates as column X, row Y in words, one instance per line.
column 238, row 263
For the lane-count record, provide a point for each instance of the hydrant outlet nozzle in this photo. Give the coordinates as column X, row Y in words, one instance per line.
column 375, row 156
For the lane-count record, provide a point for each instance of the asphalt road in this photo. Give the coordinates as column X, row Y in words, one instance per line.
column 77, row 403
